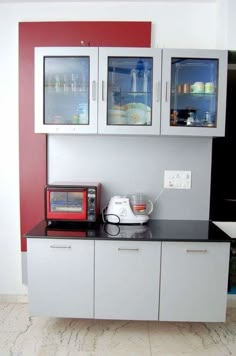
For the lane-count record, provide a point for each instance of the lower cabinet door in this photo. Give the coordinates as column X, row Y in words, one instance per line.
column 127, row 280
column 194, row 278
column 60, row 277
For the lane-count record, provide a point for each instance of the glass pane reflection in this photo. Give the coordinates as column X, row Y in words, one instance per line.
column 129, row 97
column 194, row 87
column 66, row 90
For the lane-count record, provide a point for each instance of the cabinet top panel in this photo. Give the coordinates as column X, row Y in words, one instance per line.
column 155, row 230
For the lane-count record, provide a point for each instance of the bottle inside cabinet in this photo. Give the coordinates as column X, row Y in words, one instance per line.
column 194, row 88
column 66, row 90
column 129, row 96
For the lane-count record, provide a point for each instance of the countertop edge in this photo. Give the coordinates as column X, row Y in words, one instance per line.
column 164, row 228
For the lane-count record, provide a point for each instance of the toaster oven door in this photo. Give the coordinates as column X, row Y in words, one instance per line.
column 68, row 204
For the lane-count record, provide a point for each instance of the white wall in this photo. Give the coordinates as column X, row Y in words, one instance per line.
column 222, row 23
column 177, row 24
column 231, row 29
column 10, row 266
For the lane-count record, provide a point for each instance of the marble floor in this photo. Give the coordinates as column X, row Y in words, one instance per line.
column 21, row 335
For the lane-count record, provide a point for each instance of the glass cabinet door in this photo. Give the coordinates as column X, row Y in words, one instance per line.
column 194, row 89
column 65, row 90
column 130, row 91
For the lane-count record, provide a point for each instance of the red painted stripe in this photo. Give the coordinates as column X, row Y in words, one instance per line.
column 32, row 147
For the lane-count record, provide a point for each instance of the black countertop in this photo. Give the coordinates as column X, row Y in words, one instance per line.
column 154, row 230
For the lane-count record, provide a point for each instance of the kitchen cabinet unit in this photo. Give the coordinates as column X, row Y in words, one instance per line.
column 66, row 90
column 130, row 90
column 61, row 277
column 178, row 271
column 194, row 277
column 127, row 280
column 112, row 90
column 193, row 92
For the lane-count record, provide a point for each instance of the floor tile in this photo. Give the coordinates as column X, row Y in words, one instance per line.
column 216, row 339
column 21, row 335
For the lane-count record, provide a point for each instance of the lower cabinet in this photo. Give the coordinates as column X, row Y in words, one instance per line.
column 194, row 278
column 60, row 277
column 127, row 280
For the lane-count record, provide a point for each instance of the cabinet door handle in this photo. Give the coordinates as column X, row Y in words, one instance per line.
column 167, row 86
column 58, row 246
column 94, row 91
column 128, row 249
column 103, row 87
column 158, row 91
column 200, row 251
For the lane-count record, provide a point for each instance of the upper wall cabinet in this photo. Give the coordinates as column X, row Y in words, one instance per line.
column 130, row 90
column 66, row 90
column 114, row 90
column 194, row 92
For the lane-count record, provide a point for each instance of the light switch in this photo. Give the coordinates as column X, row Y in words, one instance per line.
column 177, row 179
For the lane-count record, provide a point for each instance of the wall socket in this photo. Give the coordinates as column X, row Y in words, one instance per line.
column 177, row 179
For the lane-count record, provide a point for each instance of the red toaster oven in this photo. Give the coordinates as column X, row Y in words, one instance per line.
column 72, row 202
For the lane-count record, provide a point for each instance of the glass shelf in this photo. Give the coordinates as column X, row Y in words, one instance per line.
column 130, row 92
column 61, row 91
column 199, row 124
column 196, row 95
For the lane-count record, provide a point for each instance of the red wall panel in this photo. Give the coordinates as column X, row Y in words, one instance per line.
column 33, row 147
